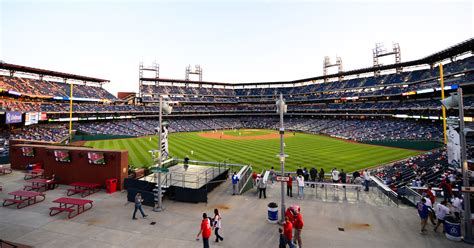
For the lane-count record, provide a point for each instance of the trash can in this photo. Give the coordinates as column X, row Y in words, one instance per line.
column 111, row 185
column 452, row 227
column 272, row 212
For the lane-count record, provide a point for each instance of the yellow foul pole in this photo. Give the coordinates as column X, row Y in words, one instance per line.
column 441, row 76
column 70, row 114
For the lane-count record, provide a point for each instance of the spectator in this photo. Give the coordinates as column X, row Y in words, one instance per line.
column 288, row 232
column 423, row 213
column 282, row 243
column 335, row 175
column 321, row 175
column 217, row 225
column 300, row 180
column 343, row 176
column 235, row 181
column 138, row 206
column 298, row 228
column 289, row 186
column 262, row 188
column 447, row 189
column 205, row 230
column 313, row 172
column 272, row 175
column 457, row 206
column 441, row 211
column 431, row 213
column 366, row 179
column 254, row 178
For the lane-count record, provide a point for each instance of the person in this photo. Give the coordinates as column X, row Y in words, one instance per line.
column 262, row 188
column 289, row 186
column 321, row 175
column 272, row 175
column 205, row 231
column 429, row 194
column 289, row 215
column 298, row 228
column 366, row 179
column 254, row 178
column 441, row 211
column 447, row 189
column 423, row 213
column 288, row 232
column 52, row 182
column 282, row 243
column 335, row 175
column 431, row 213
column 355, row 175
column 235, row 181
column 299, row 171
column 457, row 206
column 300, row 181
column 306, row 175
column 313, row 172
column 138, row 206
column 343, row 176
column 217, row 225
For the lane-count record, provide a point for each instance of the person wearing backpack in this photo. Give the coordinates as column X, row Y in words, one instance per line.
column 217, row 225
column 205, row 230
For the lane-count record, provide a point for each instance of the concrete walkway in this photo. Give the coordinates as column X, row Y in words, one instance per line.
column 109, row 223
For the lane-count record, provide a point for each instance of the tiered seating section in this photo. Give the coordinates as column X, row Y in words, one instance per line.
column 37, row 87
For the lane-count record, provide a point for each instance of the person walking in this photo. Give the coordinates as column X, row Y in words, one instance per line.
column 272, row 175
column 298, row 228
column 423, row 213
column 262, row 188
column 441, row 211
column 217, row 225
column 205, row 230
column 235, row 181
column 366, row 179
column 282, row 242
column 289, row 186
column 288, row 232
column 300, row 180
column 457, row 206
column 138, row 206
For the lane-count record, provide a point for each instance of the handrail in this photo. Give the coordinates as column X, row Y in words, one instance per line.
column 7, row 243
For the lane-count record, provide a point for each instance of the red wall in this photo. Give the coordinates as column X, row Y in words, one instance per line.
column 79, row 169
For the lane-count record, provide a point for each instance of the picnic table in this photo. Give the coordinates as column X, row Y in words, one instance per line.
column 22, row 196
column 68, row 204
column 5, row 170
column 83, row 188
column 38, row 184
column 34, row 174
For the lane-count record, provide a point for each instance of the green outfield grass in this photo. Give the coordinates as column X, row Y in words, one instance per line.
column 304, row 150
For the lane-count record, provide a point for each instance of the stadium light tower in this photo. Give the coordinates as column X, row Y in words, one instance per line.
column 166, row 109
column 197, row 71
column 281, row 109
column 380, row 51
column 327, row 64
column 455, row 100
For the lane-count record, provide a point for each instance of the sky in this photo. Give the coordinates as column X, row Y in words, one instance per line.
column 233, row 41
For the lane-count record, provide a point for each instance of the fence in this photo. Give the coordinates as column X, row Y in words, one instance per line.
column 384, row 193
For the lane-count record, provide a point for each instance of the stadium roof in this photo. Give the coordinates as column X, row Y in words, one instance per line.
column 460, row 48
column 26, row 69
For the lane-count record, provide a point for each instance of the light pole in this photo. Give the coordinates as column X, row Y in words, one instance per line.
column 451, row 102
column 167, row 109
column 281, row 109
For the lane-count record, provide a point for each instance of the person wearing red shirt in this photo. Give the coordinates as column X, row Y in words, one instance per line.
column 288, row 232
column 289, row 186
column 430, row 195
column 298, row 224
column 205, row 230
column 289, row 216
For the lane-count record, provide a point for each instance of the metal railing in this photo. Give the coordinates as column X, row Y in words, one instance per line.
column 384, row 193
column 333, row 191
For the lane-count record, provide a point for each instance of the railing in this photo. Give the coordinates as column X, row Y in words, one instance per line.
column 412, row 197
column 333, row 191
column 6, row 244
column 384, row 193
column 245, row 177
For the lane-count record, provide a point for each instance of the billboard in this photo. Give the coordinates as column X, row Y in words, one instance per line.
column 12, row 117
column 96, row 157
column 43, row 116
column 62, row 156
column 31, row 118
column 454, row 144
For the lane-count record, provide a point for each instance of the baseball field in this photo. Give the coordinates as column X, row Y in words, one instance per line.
column 260, row 148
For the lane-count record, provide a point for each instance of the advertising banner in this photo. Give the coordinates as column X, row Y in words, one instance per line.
column 12, row 117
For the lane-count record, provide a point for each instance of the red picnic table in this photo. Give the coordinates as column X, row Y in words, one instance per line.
column 84, row 188
column 68, row 204
column 34, row 174
column 22, row 196
column 38, row 184
column 5, row 170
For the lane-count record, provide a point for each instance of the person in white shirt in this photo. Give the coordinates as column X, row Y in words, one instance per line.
column 441, row 211
column 335, row 175
column 217, row 225
column 457, row 206
column 366, row 179
column 431, row 213
column 300, row 181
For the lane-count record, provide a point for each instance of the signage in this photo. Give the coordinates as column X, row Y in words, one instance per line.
column 467, row 189
column 12, row 117
column 282, row 179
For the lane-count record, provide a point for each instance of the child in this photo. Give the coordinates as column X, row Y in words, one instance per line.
column 282, row 239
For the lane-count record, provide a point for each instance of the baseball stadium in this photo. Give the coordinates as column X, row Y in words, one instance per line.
column 363, row 153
